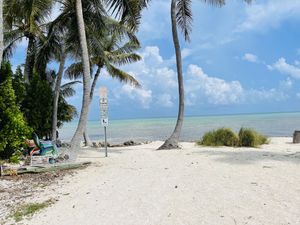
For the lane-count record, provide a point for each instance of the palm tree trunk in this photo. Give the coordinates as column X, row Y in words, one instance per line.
column 75, row 142
column 1, row 31
column 57, row 92
column 86, row 137
column 30, row 59
column 172, row 141
column 97, row 74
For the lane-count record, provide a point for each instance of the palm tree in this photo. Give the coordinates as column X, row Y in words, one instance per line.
column 25, row 19
column 181, row 15
column 130, row 13
column 1, row 31
column 108, row 51
column 57, row 88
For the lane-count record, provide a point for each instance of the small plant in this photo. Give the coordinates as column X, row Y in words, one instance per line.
column 251, row 138
column 220, row 137
column 29, row 209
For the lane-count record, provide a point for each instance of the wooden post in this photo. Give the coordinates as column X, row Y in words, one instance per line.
column 296, row 138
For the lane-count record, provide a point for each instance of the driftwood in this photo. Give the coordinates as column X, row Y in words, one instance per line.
column 296, row 137
column 42, row 169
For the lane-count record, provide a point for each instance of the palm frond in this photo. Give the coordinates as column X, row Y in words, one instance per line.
column 67, row 90
column 122, row 59
column 122, row 76
column 184, row 17
column 128, row 10
column 74, row 71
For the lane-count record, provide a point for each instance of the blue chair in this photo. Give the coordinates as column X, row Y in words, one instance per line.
column 47, row 148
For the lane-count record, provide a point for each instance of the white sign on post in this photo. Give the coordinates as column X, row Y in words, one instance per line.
column 104, row 106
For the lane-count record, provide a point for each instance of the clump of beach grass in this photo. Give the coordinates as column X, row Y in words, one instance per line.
column 220, row 137
column 251, row 138
column 27, row 210
column 226, row 137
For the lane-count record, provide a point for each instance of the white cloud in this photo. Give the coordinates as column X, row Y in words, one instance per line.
column 286, row 84
column 144, row 96
column 201, row 88
column 283, row 67
column 159, row 85
column 152, row 55
column 298, row 95
column 269, row 14
column 272, row 94
column 250, row 58
column 214, row 90
column 165, row 100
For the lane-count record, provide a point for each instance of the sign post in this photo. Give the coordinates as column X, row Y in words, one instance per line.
column 104, row 112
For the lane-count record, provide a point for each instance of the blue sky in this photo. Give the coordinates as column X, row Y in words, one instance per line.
column 241, row 59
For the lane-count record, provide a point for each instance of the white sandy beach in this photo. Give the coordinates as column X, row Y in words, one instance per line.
column 196, row 185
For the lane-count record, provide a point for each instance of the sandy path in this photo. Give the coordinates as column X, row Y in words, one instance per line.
column 140, row 186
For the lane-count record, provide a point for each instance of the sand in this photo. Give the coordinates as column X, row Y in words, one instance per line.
column 196, row 185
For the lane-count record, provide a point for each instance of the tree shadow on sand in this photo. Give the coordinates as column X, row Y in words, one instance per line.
column 97, row 153
column 250, row 157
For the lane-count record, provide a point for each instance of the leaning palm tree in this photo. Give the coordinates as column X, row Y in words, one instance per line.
column 108, row 49
column 181, row 15
column 130, row 13
column 25, row 19
column 1, row 31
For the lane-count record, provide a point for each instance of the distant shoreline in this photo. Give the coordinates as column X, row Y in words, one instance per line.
column 201, row 115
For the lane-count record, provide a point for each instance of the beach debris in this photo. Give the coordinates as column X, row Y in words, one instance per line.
column 8, row 171
column 125, row 144
column 267, row 167
column 129, row 143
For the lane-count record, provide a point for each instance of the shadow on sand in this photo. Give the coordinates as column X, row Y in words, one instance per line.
column 249, row 157
column 97, row 153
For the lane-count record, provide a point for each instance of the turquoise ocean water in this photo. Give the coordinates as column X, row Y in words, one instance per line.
column 274, row 124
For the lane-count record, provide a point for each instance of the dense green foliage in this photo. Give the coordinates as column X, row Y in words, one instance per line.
column 226, row 137
column 251, row 138
column 25, row 108
column 220, row 137
column 37, row 105
column 13, row 128
column 19, row 86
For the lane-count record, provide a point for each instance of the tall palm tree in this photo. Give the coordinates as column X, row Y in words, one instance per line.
column 25, row 19
column 1, row 31
column 52, row 47
column 181, row 15
column 57, row 89
column 109, row 49
column 130, row 13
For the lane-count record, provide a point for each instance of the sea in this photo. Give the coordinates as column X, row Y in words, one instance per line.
column 152, row 129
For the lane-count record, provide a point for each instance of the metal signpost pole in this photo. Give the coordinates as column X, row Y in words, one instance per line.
column 105, row 141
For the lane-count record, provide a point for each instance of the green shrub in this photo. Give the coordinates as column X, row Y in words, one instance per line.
column 14, row 129
column 220, row 137
column 251, row 138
